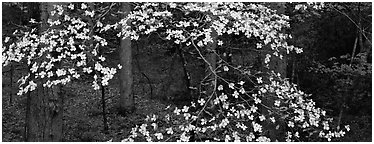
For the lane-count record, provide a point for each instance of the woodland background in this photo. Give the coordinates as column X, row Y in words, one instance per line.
column 339, row 82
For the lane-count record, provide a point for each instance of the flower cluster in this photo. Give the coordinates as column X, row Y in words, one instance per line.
column 235, row 111
column 243, row 116
column 63, row 49
column 201, row 20
column 248, row 109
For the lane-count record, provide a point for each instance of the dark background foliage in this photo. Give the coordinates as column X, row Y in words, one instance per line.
column 322, row 34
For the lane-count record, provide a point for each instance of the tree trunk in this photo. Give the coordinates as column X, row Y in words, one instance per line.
column 353, row 51
column 45, row 106
column 186, row 74
column 45, row 121
column 293, row 68
column 143, row 44
column 345, row 94
column 360, row 28
column 27, row 118
column 127, row 102
column 105, row 121
column 212, row 63
column 11, row 84
column 278, row 66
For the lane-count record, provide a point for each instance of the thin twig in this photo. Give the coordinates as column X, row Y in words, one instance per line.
column 358, row 27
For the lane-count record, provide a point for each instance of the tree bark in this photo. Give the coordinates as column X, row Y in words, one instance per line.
column 45, row 106
column 143, row 44
column 360, row 29
column 127, row 102
column 45, row 121
column 27, row 117
column 186, row 74
column 11, row 84
column 105, row 121
column 212, row 63
column 293, row 68
column 353, row 51
column 345, row 94
column 278, row 66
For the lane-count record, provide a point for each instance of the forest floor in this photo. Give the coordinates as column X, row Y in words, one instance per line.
column 84, row 122
column 83, row 119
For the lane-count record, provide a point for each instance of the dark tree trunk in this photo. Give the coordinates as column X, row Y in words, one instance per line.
column 278, row 66
column 167, row 90
column 27, row 118
column 105, row 121
column 211, row 58
column 127, row 102
column 143, row 44
column 186, row 74
column 45, row 105
column 293, row 68
column 11, row 84
column 45, row 121
column 360, row 28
